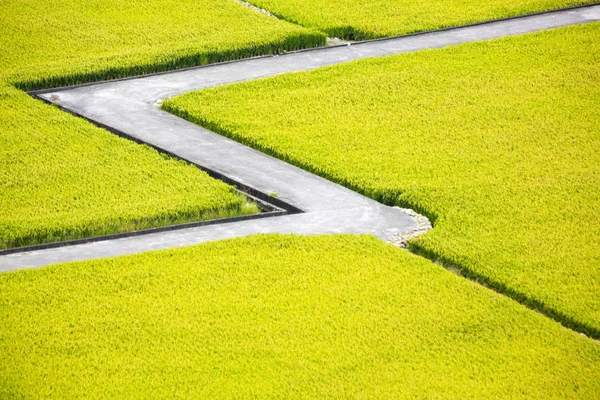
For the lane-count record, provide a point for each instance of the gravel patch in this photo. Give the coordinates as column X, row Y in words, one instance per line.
column 424, row 225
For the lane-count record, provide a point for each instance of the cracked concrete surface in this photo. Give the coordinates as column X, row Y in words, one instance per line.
column 131, row 106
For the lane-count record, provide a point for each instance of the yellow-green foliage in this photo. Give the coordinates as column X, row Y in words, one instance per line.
column 279, row 317
column 370, row 19
column 50, row 43
column 62, row 178
column 498, row 141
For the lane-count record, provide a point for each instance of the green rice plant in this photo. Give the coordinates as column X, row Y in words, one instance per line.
column 372, row 19
column 62, row 178
column 497, row 142
column 279, row 317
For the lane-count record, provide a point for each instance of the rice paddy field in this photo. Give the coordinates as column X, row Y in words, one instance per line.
column 62, row 178
column 369, row 19
column 279, row 316
column 498, row 142
column 49, row 44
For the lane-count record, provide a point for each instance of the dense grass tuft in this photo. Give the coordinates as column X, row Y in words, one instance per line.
column 498, row 141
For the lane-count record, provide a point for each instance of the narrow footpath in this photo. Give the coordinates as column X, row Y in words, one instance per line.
column 131, row 107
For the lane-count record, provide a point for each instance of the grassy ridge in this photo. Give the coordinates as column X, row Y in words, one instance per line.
column 286, row 317
column 497, row 141
column 372, row 19
column 62, row 178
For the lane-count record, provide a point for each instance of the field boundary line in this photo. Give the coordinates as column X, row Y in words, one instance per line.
column 121, row 235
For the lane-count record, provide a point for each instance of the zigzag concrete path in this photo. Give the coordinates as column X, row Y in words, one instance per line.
column 130, row 106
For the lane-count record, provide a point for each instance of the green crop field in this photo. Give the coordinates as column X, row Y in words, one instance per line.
column 497, row 142
column 279, row 317
column 60, row 177
column 379, row 18
column 47, row 44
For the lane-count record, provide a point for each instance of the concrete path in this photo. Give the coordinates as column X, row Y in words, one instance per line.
column 131, row 106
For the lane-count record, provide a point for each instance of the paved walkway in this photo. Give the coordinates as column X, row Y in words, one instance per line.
column 130, row 106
